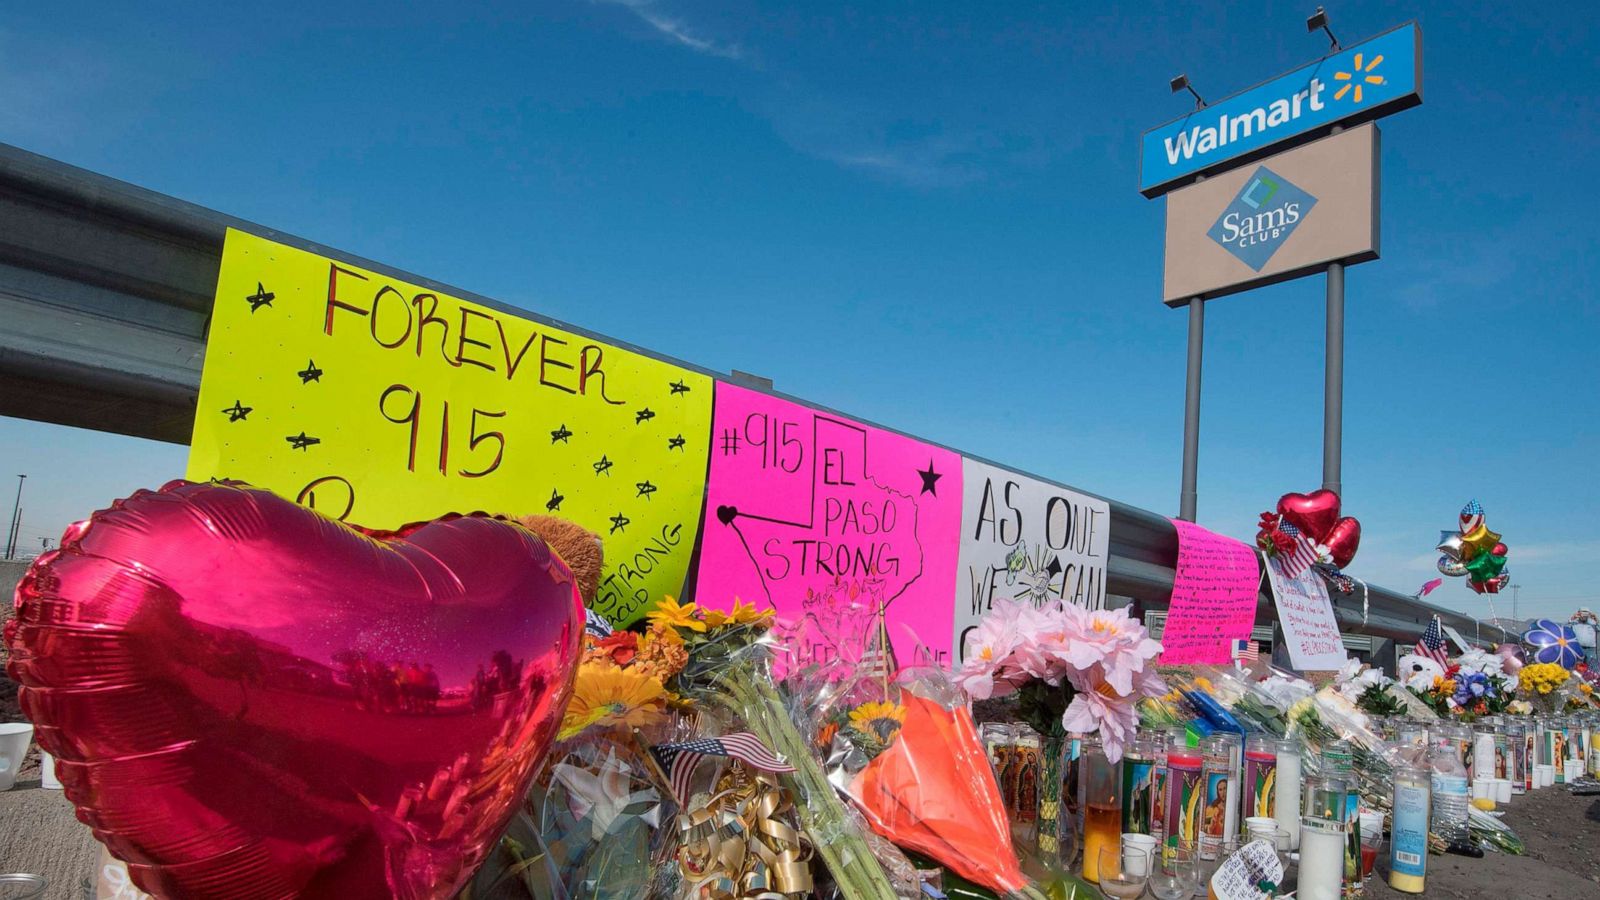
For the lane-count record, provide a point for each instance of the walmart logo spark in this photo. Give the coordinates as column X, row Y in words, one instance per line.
column 1356, row 77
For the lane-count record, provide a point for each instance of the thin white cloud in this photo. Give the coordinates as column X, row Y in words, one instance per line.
column 676, row 29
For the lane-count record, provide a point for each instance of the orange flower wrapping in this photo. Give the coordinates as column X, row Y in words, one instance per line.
column 932, row 792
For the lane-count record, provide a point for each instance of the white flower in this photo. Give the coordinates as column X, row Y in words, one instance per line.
column 1475, row 660
column 1418, row 672
column 1354, row 679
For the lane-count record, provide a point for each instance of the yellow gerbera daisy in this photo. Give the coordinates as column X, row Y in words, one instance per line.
column 715, row 618
column 670, row 612
column 878, row 718
column 608, row 696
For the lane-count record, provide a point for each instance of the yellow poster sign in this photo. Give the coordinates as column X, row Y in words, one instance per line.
column 382, row 403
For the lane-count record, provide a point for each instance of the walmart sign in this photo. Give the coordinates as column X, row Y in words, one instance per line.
column 1358, row 84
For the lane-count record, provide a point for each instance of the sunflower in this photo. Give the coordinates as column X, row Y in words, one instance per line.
column 608, row 696
column 748, row 614
column 670, row 612
column 878, row 719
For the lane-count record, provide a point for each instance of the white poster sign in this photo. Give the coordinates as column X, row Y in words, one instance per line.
column 1310, row 631
column 1026, row 539
column 1454, row 635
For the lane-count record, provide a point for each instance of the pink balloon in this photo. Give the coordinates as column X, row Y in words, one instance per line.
column 246, row 698
column 1511, row 659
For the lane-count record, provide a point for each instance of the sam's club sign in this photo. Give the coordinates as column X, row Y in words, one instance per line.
column 1261, row 218
column 1360, row 83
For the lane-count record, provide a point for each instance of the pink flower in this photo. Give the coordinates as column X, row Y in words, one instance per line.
column 1099, row 708
column 1112, row 641
column 989, row 647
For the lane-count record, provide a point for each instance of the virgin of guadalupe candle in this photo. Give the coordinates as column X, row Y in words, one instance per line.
column 1158, row 792
column 1260, row 777
column 1185, row 790
column 1138, row 784
column 1530, row 755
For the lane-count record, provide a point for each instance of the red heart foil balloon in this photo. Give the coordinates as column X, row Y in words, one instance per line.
column 1343, row 539
column 247, row 699
column 1314, row 513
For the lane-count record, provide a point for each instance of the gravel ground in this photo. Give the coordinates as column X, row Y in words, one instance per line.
column 1562, row 833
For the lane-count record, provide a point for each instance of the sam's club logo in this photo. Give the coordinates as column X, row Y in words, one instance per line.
column 1261, row 218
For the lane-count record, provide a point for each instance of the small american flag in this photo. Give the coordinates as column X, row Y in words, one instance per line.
column 1431, row 644
column 595, row 623
column 877, row 657
column 1298, row 558
column 1246, row 651
column 679, row 760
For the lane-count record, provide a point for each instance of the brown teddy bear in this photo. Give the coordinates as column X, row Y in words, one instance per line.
column 578, row 547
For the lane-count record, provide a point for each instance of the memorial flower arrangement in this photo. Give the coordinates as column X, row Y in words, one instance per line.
column 1073, row 669
column 728, row 675
column 1373, row 692
column 622, row 677
column 1546, row 686
column 1460, row 693
column 910, row 760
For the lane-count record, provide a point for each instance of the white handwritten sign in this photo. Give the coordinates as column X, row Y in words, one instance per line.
column 1024, row 539
column 1310, row 631
column 1237, row 878
column 1213, row 598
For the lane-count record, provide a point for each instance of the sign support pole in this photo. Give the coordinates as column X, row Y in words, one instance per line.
column 1333, row 384
column 1191, row 410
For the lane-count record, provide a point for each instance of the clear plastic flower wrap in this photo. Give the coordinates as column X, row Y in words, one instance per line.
column 590, row 829
column 907, row 754
column 730, row 673
column 1328, row 716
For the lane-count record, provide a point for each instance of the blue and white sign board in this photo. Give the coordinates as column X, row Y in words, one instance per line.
column 1367, row 81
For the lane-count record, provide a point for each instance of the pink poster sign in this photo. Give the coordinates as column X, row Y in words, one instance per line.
column 1213, row 598
column 826, row 520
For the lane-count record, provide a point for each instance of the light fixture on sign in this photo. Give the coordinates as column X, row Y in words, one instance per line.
column 1319, row 20
column 1181, row 83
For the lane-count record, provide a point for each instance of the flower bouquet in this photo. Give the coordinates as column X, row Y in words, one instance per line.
column 1545, row 686
column 1328, row 716
column 1376, row 694
column 1063, row 669
column 1072, row 669
column 728, row 673
column 1460, row 691
column 911, row 761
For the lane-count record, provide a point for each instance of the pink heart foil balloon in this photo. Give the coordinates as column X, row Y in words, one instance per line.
column 1314, row 514
column 247, row 699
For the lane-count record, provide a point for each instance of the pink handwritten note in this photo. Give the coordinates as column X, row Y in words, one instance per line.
column 1213, row 598
column 825, row 520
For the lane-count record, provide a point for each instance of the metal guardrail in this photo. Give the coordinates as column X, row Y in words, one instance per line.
column 105, row 293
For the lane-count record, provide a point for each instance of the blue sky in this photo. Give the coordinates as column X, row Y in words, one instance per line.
column 924, row 214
